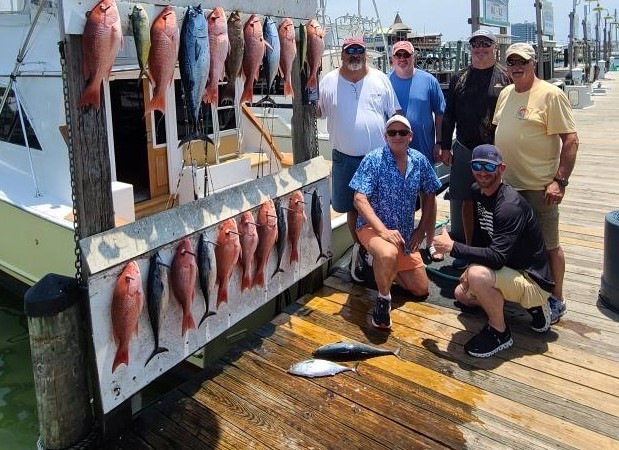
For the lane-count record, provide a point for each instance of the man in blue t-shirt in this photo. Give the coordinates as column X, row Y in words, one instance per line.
column 422, row 102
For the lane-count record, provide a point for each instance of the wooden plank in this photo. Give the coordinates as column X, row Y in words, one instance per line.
column 399, row 395
column 370, row 409
column 524, row 416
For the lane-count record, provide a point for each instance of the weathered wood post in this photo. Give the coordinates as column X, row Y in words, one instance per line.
column 56, row 342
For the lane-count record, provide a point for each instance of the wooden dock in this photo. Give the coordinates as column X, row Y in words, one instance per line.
column 556, row 390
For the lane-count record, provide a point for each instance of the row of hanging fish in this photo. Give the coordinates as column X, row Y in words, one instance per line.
column 209, row 49
column 322, row 365
column 248, row 244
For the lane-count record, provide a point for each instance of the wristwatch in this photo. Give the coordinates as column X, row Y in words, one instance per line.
column 563, row 182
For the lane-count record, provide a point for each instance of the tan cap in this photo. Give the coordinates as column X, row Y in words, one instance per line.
column 522, row 49
column 403, row 45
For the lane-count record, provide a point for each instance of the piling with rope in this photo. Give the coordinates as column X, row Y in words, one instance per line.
column 55, row 326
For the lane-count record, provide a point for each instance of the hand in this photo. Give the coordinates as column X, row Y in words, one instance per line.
column 393, row 237
column 442, row 242
column 554, row 193
column 447, row 157
column 438, row 157
column 416, row 239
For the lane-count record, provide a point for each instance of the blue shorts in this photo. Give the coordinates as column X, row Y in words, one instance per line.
column 461, row 176
column 342, row 171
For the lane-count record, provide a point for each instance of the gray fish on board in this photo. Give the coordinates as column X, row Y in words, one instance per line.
column 205, row 272
column 280, row 244
column 351, row 350
column 157, row 297
column 194, row 64
column 312, row 368
column 317, row 223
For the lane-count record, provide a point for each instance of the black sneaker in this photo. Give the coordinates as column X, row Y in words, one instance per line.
column 357, row 263
column 541, row 318
column 488, row 342
column 380, row 315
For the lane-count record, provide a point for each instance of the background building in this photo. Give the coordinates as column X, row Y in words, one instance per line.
column 523, row 32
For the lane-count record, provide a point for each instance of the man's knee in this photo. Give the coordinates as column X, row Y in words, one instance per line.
column 479, row 277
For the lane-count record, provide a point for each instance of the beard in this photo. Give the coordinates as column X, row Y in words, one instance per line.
column 354, row 66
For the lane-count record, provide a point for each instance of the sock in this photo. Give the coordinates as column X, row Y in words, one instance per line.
column 387, row 296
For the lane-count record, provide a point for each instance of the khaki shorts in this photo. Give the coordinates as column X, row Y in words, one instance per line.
column 547, row 216
column 409, row 261
column 518, row 287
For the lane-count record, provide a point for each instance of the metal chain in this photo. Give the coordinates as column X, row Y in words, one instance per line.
column 65, row 91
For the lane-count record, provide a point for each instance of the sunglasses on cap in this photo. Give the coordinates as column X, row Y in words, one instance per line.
column 354, row 50
column 478, row 166
column 402, row 132
column 402, row 55
column 481, row 43
column 517, row 62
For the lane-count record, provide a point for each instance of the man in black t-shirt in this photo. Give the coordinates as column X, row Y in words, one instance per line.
column 471, row 101
column 508, row 259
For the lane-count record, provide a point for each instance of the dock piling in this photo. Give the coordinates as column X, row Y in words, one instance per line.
column 59, row 367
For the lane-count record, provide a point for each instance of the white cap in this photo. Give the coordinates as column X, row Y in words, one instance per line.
column 398, row 118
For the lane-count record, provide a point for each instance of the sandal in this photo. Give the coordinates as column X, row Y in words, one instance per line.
column 434, row 255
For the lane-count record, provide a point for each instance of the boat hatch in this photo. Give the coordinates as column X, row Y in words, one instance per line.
column 10, row 124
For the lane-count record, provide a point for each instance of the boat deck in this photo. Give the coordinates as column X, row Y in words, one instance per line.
column 556, row 390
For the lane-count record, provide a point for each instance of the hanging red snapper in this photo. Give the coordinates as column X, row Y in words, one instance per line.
column 288, row 53
column 227, row 253
column 267, row 235
column 220, row 48
column 127, row 304
column 315, row 49
column 296, row 219
column 249, row 243
column 164, row 43
column 102, row 40
column 252, row 56
column 183, row 273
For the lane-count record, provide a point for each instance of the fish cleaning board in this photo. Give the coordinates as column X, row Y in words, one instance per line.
column 74, row 12
column 106, row 255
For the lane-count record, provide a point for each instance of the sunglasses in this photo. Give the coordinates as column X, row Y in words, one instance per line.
column 478, row 166
column 392, row 133
column 354, row 50
column 517, row 62
column 402, row 55
column 481, row 43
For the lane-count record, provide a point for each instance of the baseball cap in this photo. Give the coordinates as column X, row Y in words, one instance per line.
column 398, row 118
column 353, row 40
column 487, row 153
column 521, row 49
column 483, row 34
column 403, row 45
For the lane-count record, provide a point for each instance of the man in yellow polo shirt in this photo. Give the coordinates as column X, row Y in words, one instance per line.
column 537, row 135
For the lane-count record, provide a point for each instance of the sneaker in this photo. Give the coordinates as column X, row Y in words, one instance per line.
column 460, row 263
column 541, row 317
column 488, row 342
column 558, row 308
column 380, row 314
column 357, row 263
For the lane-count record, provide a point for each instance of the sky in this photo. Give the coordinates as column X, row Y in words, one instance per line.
column 449, row 17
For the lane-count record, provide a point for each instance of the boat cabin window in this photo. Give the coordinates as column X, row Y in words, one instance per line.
column 9, row 6
column 10, row 125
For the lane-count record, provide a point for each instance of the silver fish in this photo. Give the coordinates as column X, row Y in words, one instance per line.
column 157, row 297
column 312, row 368
column 280, row 244
column 205, row 274
column 317, row 223
column 351, row 350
